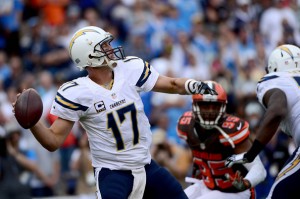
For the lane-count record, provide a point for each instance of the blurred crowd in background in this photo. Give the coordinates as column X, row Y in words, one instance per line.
column 223, row 40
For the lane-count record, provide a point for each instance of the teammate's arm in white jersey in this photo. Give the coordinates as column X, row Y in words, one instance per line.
column 275, row 102
column 283, row 60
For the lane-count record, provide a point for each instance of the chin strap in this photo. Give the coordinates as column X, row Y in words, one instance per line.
column 110, row 63
column 107, row 62
column 225, row 135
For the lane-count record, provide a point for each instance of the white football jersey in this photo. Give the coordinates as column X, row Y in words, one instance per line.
column 289, row 83
column 117, row 127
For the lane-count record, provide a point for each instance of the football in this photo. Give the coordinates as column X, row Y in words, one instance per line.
column 28, row 108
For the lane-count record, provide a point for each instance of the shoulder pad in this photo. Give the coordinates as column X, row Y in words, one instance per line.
column 69, row 97
column 235, row 128
column 184, row 123
column 130, row 58
column 136, row 69
column 267, row 77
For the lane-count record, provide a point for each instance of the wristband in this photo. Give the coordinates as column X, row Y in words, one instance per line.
column 257, row 146
column 190, row 86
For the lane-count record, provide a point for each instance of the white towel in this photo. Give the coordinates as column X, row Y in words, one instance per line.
column 139, row 183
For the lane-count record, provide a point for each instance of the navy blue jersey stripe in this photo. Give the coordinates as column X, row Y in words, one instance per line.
column 145, row 75
column 69, row 104
column 267, row 78
column 297, row 79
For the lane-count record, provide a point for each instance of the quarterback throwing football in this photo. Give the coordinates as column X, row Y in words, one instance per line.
column 108, row 106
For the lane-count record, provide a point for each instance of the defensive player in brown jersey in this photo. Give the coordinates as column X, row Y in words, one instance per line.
column 212, row 136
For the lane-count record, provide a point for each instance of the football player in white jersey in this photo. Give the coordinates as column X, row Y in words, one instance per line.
column 108, row 106
column 279, row 93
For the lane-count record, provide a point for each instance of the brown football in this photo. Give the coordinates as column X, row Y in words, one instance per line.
column 28, row 108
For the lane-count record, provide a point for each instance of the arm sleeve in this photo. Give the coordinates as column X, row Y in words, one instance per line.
column 267, row 83
column 145, row 75
column 71, row 105
column 256, row 172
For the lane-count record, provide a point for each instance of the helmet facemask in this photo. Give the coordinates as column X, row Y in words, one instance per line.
column 208, row 113
column 209, row 109
column 110, row 55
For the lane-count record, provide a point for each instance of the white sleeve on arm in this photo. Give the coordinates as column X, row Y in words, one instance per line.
column 72, row 100
column 141, row 74
column 256, row 172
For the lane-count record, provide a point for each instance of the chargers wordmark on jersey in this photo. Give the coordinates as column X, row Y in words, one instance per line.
column 123, row 101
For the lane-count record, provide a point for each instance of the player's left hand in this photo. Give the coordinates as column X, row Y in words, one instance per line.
column 238, row 181
column 236, row 159
column 203, row 88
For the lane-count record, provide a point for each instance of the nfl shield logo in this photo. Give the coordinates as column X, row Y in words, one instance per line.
column 114, row 96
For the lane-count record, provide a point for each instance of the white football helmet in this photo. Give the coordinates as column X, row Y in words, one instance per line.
column 284, row 57
column 86, row 48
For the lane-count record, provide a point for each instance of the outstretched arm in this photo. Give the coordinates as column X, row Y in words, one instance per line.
column 181, row 86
